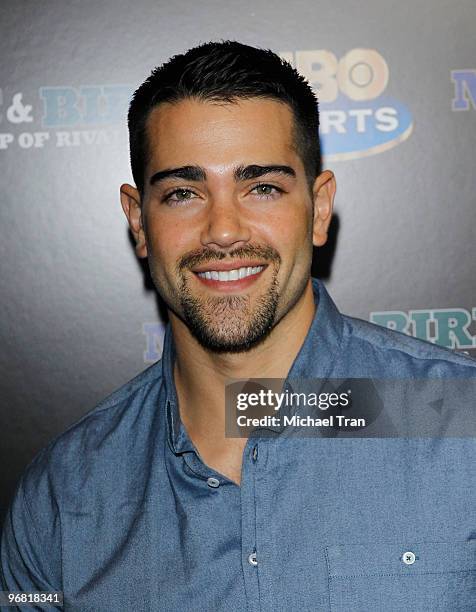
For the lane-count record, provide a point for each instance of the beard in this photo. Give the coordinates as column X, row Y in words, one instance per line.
column 231, row 323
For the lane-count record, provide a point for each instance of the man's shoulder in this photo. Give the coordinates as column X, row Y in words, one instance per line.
column 101, row 437
column 402, row 354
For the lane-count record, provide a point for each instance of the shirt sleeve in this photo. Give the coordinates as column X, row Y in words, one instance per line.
column 30, row 549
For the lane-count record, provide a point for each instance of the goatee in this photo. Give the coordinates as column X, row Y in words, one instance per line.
column 231, row 323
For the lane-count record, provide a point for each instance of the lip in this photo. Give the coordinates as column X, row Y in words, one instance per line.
column 222, row 266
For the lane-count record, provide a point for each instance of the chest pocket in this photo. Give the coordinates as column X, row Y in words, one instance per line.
column 418, row 576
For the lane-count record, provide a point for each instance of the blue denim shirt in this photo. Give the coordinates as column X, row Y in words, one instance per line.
column 120, row 512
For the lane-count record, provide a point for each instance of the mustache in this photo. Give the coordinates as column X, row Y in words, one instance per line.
column 202, row 256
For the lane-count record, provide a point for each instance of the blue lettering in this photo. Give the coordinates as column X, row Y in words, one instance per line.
column 59, row 106
column 465, row 89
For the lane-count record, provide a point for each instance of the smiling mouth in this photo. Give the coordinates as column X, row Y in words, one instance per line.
column 230, row 275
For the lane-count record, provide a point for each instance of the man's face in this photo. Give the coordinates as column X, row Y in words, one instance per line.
column 226, row 217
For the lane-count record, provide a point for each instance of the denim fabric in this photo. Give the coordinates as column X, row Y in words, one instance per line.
column 119, row 512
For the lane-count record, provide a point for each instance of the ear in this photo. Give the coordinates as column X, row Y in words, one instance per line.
column 131, row 205
column 323, row 192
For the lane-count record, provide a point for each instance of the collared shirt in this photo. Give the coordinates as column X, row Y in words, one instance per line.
column 121, row 513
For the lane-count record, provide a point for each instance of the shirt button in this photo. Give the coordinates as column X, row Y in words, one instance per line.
column 408, row 558
column 254, row 454
column 213, row 482
column 252, row 559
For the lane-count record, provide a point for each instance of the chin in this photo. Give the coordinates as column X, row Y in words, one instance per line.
column 232, row 324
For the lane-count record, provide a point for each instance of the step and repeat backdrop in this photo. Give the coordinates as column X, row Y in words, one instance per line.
column 80, row 317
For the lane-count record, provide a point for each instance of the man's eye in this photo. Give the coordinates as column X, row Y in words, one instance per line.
column 266, row 191
column 179, row 195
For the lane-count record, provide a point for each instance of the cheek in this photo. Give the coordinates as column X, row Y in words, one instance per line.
column 167, row 240
column 288, row 231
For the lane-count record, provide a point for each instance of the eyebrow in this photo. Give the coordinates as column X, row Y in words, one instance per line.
column 245, row 173
column 241, row 173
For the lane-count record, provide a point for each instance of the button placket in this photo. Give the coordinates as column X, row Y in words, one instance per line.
column 248, row 526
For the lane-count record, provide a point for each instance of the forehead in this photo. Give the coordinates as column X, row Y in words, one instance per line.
column 206, row 133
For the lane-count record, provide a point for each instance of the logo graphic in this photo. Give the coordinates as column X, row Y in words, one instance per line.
column 464, row 82
column 357, row 120
column 448, row 327
column 68, row 116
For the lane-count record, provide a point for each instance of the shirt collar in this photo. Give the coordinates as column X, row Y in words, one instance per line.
column 322, row 345
column 316, row 359
column 177, row 436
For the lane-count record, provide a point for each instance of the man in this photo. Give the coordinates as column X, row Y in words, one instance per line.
column 146, row 504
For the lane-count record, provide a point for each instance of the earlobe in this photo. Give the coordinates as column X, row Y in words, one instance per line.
column 131, row 205
column 324, row 190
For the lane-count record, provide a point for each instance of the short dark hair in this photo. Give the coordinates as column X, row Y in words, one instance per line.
column 226, row 71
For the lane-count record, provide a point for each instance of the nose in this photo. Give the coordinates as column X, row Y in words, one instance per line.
column 225, row 225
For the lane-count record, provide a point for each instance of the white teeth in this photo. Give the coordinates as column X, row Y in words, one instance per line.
column 230, row 275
